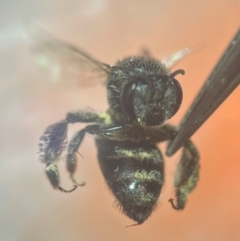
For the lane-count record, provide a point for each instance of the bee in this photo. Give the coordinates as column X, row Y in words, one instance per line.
column 142, row 95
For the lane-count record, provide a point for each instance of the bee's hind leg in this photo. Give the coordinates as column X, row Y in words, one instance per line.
column 187, row 173
column 186, row 176
column 51, row 145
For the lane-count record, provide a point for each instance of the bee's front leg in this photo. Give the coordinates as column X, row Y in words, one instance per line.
column 129, row 132
column 73, row 147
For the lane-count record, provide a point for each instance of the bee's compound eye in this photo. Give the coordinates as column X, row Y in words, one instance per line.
column 179, row 96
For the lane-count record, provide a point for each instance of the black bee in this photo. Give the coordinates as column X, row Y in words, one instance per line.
column 142, row 95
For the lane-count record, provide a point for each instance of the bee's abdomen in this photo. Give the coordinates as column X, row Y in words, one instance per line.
column 135, row 174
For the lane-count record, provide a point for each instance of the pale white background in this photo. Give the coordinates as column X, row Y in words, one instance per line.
column 29, row 208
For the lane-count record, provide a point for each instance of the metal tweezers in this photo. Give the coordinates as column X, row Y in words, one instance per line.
column 224, row 78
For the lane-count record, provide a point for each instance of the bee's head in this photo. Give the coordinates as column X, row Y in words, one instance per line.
column 152, row 101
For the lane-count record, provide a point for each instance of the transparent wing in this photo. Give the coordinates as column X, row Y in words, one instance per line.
column 62, row 62
column 171, row 60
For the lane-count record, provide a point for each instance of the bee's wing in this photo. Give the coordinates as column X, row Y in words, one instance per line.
column 224, row 78
column 62, row 62
column 171, row 60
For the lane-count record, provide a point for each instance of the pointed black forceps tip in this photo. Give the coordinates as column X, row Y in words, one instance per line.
column 224, row 78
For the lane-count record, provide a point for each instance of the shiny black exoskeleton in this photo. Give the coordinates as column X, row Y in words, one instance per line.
column 142, row 96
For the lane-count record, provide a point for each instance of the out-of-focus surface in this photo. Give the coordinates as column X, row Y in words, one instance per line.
column 29, row 208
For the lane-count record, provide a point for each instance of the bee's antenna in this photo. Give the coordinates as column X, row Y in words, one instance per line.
column 179, row 71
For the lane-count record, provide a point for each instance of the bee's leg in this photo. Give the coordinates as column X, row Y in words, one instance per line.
column 186, row 176
column 53, row 176
column 136, row 133
column 86, row 116
column 51, row 145
column 73, row 147
column 187, row 173
column 54, row 141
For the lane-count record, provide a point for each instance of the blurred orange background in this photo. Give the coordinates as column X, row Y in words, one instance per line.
column 29, row 208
